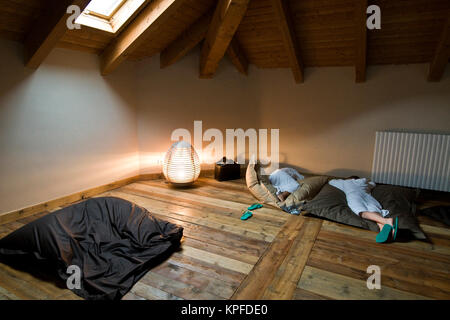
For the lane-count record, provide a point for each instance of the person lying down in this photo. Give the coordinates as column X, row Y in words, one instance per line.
column 362, row 203
column 357, row 192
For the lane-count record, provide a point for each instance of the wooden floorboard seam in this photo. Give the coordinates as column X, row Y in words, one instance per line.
column 288, row 275
column 259, row 278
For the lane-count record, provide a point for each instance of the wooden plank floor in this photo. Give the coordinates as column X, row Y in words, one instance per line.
column 273, row 255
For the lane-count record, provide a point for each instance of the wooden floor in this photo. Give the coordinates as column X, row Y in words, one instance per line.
column 273, row 255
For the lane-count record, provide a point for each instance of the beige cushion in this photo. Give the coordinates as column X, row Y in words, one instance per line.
column 251, row 178
column 308, row 189
column 265, row 192
column 271, row 189
column 258, row 189
column 271, row 194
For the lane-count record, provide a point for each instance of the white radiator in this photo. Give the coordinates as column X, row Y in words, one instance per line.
column 412, row 160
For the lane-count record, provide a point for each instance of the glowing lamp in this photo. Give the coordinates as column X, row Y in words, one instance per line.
column 181, row 164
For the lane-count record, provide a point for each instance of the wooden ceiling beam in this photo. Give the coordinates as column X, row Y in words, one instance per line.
column 441, row 55
column 237, row 56
column 152, row 17
column 226, row 19
column 186, row 41
column 192, row 37
column 289, row 38
column 48, row 30
column 361, row 41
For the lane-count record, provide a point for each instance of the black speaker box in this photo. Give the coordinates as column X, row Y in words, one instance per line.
column 227, row 171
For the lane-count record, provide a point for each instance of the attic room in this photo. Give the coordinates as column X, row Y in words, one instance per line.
column 225, row 150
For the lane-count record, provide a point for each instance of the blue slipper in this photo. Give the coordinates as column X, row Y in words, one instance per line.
column 246, row 215
column 395, row 227
column 255, row 206
column 383, row 236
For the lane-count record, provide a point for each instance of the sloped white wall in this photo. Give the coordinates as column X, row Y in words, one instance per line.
column 63, row 128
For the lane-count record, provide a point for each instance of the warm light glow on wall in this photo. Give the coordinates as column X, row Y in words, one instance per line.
column 181, row 164
column 152, row 160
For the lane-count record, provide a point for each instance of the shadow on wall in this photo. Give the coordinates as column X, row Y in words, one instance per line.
column 373, row 73
column 15, row 70
column 338, row 172
column 121, row 85
column 413, row 180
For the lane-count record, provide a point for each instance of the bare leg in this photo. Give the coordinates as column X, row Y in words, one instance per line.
column 283, row 195
column 376, row 217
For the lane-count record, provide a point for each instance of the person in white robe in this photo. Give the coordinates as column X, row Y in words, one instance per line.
column 360, row 200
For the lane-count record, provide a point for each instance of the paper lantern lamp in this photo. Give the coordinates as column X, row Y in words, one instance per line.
column 181, row 164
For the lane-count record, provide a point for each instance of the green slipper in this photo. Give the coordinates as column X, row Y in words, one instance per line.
column 383, row 236
column 255, row 206
column 246, row 215
column 395, row 227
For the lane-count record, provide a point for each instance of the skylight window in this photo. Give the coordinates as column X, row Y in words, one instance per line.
column 104, row 8
column 109, row 15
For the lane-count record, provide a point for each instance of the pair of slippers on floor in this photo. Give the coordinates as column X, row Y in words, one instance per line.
column 248, row 214
column 386, row 232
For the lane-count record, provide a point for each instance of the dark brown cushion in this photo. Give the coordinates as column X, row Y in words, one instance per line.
column 330, row 203
column 439, row 213
column 400, row 202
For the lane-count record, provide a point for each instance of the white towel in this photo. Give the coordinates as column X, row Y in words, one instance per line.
column 358, row 195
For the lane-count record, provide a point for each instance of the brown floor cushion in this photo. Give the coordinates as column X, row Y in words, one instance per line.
column 439, row 213
column 330, row 203
column 258, row 189
column 262, row 189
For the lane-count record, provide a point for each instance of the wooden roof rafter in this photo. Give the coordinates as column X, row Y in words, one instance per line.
column 186, row 41
column 237, row 56
column 289, row 38
column 150, row 19
column 441, row 55
column 192, row 37
column 48, row 30
column 411, row 33
column 226, row 19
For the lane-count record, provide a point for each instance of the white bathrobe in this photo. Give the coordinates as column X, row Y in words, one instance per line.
column 358, row 195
